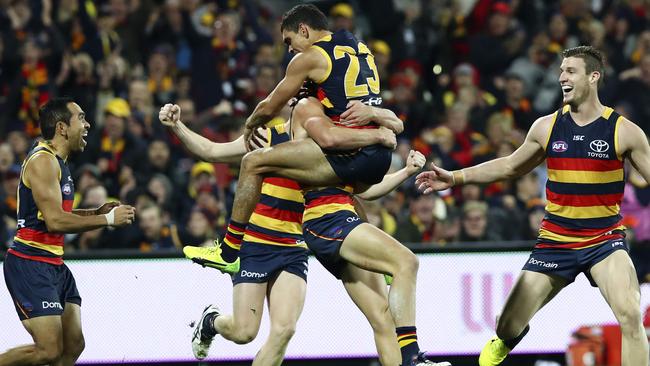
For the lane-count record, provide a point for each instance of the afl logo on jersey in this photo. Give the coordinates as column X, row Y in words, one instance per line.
column 67, row 189
column 560, row 146
column 599, row 146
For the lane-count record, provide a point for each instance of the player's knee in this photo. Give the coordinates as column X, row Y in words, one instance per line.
column 409, row 263
column 251, row 161
column 629, row 318
column 75, row 347
column 283, row 333
column 244, row 337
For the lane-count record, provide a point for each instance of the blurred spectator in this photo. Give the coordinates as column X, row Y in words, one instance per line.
column 419, row 226
column 143, row 122
column 199, row 230
column 379, row 216
column 381, row 51
column 474, row 223
column 342, row 17
column 469, row 146
column 635, row 90
column 534, row 215
column 515, row 102
column 113, row 146
column 155, row 234
column 160, row 81
column 492, row 51
column 77, row 80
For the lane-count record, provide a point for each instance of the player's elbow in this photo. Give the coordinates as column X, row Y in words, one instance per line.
column 54, row 224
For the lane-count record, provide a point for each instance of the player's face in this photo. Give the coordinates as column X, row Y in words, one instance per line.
column 296, row 42
column 574, row 81
column 78, row 128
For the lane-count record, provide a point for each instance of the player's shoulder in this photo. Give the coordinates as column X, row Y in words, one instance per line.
column 540, row 131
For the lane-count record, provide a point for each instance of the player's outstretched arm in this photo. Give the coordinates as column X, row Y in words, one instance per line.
column 309, row 114
column 414, row 163
column 41, row 174
column 303, row 66
column 633, row 143
column 529, row 155
column 199, row 146
column 360, row 114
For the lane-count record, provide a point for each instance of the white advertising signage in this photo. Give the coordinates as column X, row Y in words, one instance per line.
column 141, row 310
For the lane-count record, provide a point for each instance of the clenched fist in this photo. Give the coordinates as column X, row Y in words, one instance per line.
column 415, row 162
column 169, row 114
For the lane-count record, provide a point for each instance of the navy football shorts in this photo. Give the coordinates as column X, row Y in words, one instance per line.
column 261, row 263
column 325, row 235
column 569, row 263
column 367, row 165
column 38, row 288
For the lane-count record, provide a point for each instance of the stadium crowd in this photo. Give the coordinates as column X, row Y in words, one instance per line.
column 468, row 78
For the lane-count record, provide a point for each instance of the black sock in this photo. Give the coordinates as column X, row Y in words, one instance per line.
column 408, row 344
column 232, row 241
column 513, row 342
column 208, row 330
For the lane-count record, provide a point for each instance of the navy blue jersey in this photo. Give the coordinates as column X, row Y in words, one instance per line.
column 352, row 73
column 585, row 182
column 33, row 240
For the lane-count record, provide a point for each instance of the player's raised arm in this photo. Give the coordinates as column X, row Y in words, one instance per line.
column 42, row 175
column 304, row 66
column 201, row 147
column 634, row 143
column 414, row 163
column 529, row 155
column 309, row 114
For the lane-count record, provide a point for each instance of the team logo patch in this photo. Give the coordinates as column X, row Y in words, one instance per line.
column 27, row 306
column 559, row 146
column 67, row 189
column 599, row 146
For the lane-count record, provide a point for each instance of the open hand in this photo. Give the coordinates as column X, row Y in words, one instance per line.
column 437, row 179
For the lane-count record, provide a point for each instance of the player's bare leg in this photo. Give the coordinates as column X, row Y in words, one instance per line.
column 531, row 292
column 286, row 297
column 617, row 281
column 370, row 248
column 368, row 291
column 47, row 333
column 243, row 324
column 300, row 160
column 73, row 339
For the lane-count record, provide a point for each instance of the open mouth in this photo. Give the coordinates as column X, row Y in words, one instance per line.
column 83, row 140
column 566, row 89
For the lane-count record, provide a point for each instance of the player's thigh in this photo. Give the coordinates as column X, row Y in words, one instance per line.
column 369, row 292
column 47, row 332
column 301, row 160
column 248, row 306
column 286, row 299
column 531, row 292
column 617, row 281
column 370, row 248
column 71, row 323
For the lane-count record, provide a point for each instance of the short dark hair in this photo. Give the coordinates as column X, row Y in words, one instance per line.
column 55, row 110
column 594, row 60
column 308, row 14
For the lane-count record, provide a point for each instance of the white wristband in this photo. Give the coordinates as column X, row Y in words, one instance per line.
column 110, row 217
